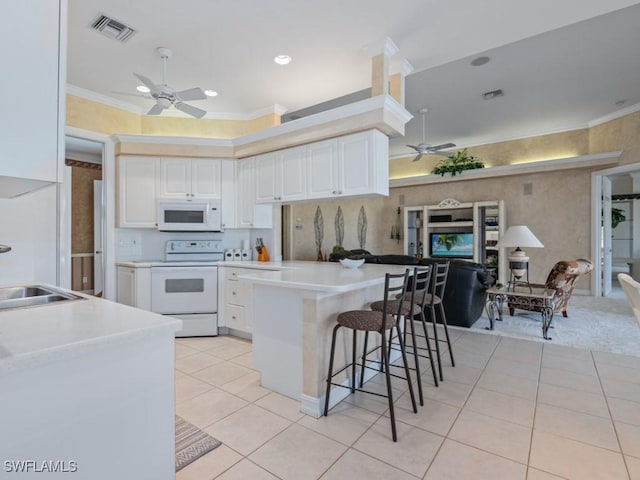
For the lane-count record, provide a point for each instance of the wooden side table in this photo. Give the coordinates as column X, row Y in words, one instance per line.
column 541, row 298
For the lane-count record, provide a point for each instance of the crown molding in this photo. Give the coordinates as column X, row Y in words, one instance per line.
column 612, row 116
column 161, row 140
column 400, row 65
column 103, row 99
column 383, row 46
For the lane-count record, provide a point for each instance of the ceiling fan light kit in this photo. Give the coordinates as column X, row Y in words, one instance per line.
column 424, row 148
column 165, row 96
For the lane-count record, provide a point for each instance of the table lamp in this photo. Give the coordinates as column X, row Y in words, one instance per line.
column 518, row 236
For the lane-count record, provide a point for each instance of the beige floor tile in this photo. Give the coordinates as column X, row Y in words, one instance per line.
column 564, row 378
column 221, row 373
column 284, row 406
column 533, row 474
column 412, row 453
column 449, row 392
column 572, row 459
column 633, row 467
column 591, row 403
column 434, row 417
column 498, row 405
column 519, row 345
column 195, row 362
column 210, row 465
column 247, row 387
column 514, row 368
column 624, row 410
column 470, row 358
column 245, row 360
column 629, row 436
column 375, row 403
column 227, row 352
column 621, row 389
column 460, row 373
column 578, row 426
column 518, row 352
column 298, row 454
column 509, row 385
column 355, row 465
column 565, row 351
column 248, row 428
column 619, row 373
column 209, row 407
column 204, row 343
column 461, row 462
column 345, row 423
column 562, row 362
column 607, row 358
column 184, row 350
column 493, row 435
column 188, row 387
column 245, row 470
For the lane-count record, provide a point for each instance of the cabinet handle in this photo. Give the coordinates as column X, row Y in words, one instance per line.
column 335, row 192
column 233, row 317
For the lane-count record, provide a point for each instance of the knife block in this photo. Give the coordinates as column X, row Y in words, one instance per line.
column 263, row 255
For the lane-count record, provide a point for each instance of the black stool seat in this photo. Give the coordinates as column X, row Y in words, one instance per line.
column 366, row 320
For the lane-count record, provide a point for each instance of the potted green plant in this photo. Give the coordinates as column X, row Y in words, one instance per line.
column 457, row 163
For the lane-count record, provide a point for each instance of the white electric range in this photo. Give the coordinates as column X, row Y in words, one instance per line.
column 185, row 285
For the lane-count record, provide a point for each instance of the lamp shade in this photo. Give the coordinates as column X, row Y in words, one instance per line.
column 519, row 236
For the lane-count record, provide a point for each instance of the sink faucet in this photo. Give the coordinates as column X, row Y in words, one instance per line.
column 4, row 248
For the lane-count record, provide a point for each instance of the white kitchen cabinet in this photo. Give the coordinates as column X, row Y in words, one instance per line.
column 250, row 215
column 33, row 82
column 137, row 191
column 356, row 164
column 134, row 286
column 281, row 176
column 236, row 311
column 190, row 177
column 228, row 193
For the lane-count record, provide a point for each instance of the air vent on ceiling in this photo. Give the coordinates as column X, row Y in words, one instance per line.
column 112, row 28
column 493, row 94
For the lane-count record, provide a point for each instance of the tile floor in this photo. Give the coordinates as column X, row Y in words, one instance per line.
column 510, row 409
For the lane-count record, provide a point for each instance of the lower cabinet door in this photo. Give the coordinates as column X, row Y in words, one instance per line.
column 235, row 317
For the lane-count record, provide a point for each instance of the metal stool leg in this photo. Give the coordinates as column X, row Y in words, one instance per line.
column 353, row 362
column 446, row 333
column 364, row 357
column 406, row 370
column 330, row 375
column 385, row 362
column 423, row 319
column 415, row 355
column 437, row 342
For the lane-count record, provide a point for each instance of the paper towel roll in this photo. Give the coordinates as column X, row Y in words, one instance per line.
column 245, row 245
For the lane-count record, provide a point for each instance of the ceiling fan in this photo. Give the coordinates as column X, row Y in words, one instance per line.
column 424, row 148
column 165, row 96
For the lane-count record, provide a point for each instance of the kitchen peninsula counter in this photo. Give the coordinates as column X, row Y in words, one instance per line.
column 295, row 309
column 83, row 370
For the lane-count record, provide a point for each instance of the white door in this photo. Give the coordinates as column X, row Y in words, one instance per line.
column 607, row 250
column 98, row 271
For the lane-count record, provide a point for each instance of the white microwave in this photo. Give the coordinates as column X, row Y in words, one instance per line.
column 192, row 215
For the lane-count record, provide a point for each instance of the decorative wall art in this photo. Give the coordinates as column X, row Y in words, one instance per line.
column 318, row 227
column 362, row 227
column 339, row 227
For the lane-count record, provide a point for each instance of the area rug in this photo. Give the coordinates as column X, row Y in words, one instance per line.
column 597, row 323
column 191, row 443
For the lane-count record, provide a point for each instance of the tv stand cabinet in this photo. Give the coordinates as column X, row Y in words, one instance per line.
column 484, row 220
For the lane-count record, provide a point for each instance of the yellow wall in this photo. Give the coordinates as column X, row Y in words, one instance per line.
column 88, row 115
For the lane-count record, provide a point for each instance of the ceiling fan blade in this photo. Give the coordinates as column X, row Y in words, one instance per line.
column 190, row 109
column 191, row 94
column 415, row 147
column 444, row 154
column 139, row 95
column 148, row 83
column 444, row 145
column 156, row 109
column 418, row 157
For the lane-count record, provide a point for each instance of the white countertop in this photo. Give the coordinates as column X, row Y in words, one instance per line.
column 33, row 335
column 328, row 277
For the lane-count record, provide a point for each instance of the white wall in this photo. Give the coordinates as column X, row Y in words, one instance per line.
column 28, row 224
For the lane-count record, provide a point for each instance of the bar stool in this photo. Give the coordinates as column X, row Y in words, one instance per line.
column 438, row 285
column 380, row 322
column 412, row 306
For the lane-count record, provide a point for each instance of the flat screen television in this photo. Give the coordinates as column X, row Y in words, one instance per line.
column 451, row 245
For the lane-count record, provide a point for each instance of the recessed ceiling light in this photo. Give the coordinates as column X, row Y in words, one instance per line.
column 282, row 59
column 478, row 61
column 143, row 89
column 211, row 93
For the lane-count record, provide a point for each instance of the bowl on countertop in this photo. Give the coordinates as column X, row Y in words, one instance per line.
column 352, row 263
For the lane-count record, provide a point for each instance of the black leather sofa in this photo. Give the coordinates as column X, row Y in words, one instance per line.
column 466, row 291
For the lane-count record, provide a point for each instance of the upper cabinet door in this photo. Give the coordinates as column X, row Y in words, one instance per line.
column 322, row 169
column 228, row 193
column 206, row 178
column 293, row 174
column 355, row 165
column 33, row 87
column 137, row 180
column 175, row 177
column 246, row 193
column 267, row 182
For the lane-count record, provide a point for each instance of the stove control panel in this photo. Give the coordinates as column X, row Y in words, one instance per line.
column 194, row 246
